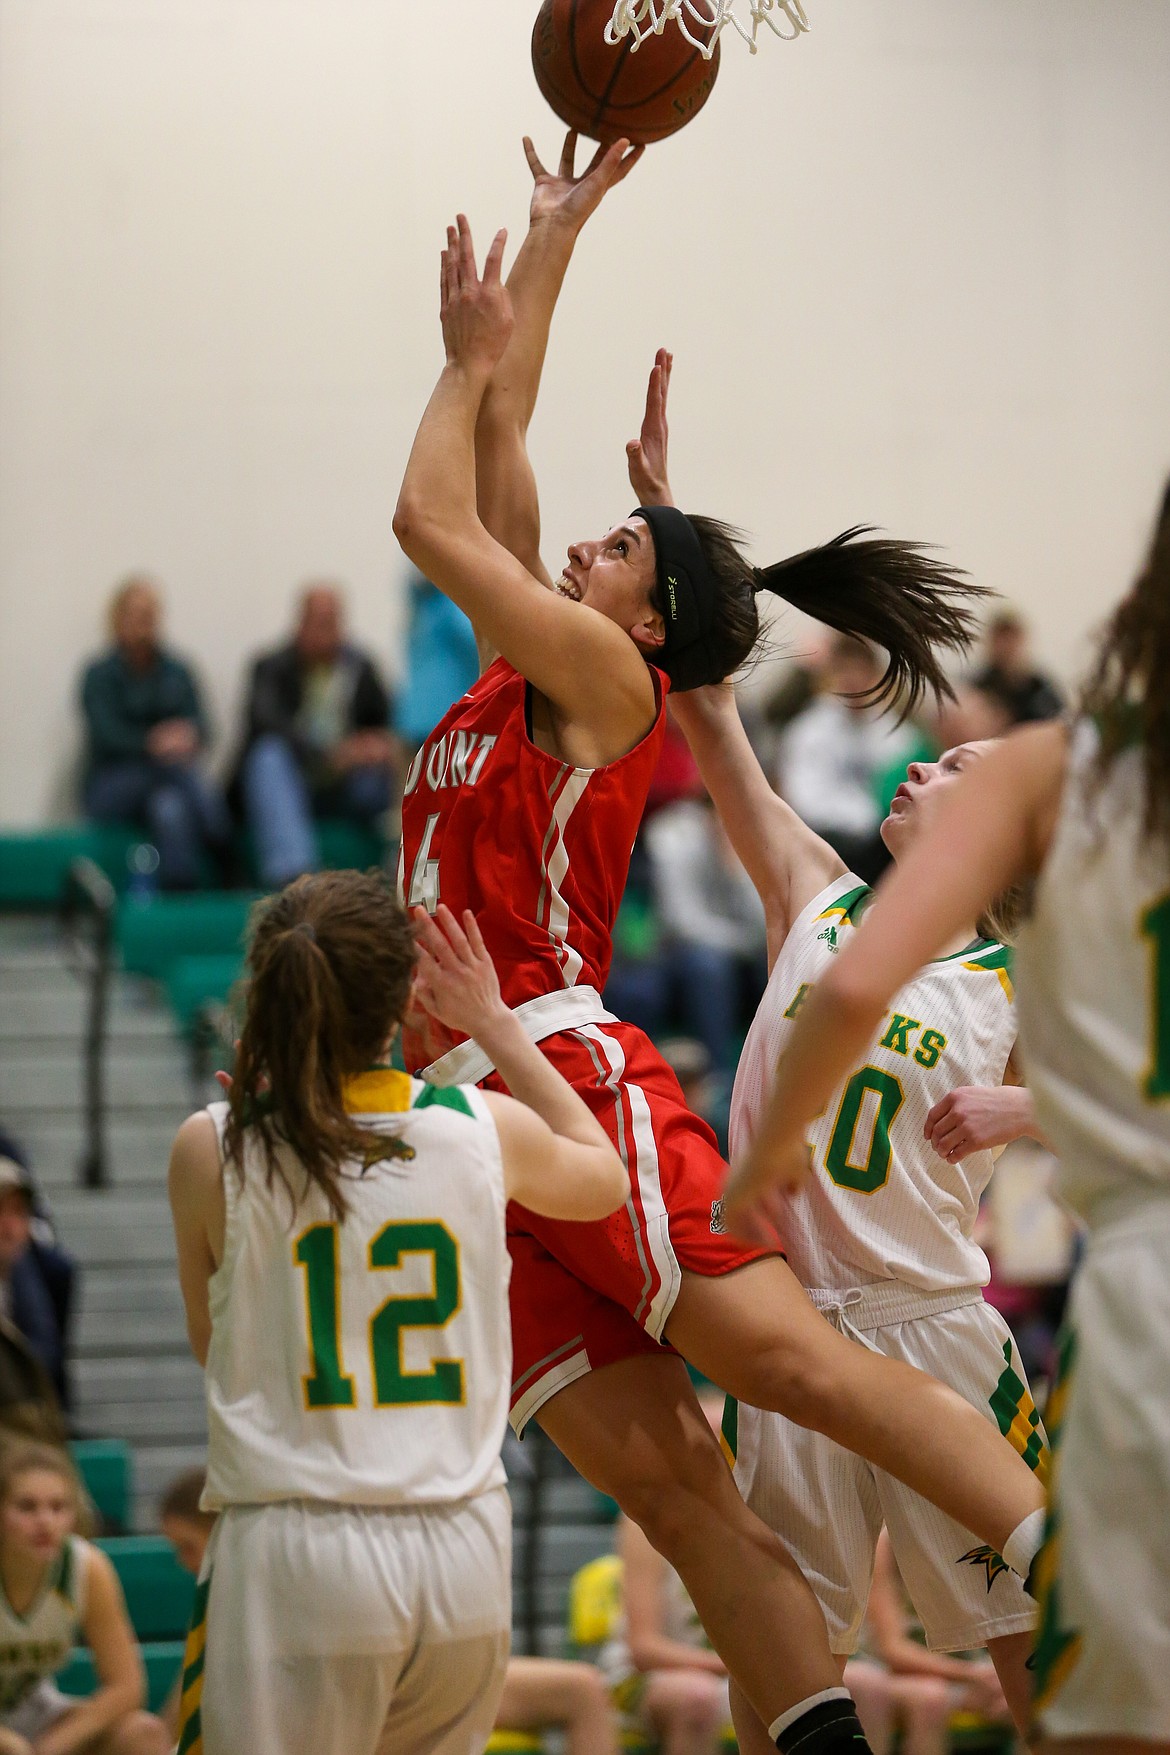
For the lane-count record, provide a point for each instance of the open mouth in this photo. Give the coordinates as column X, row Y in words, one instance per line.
column 903, row 793
column 567, row 587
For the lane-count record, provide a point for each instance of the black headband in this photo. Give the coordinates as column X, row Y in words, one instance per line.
column 689, row 592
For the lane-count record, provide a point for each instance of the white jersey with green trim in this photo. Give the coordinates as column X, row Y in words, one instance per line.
column 34, row 1646
column 365, row 1361
column 881, row 1204
column 1094, row 959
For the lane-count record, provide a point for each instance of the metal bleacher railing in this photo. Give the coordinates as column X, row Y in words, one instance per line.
column 87, row 916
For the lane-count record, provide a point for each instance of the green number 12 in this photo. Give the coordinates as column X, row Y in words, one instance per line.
column 327, row 1385
column 1156, row 927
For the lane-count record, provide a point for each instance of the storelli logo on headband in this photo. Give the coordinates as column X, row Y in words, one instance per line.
column 671, row 588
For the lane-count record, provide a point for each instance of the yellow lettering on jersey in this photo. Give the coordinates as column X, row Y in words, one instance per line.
column 928, row 1050
column 898, row 1034
column 799, row 998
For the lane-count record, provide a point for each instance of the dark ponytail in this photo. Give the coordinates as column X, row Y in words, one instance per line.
column 873, row 588
column 329, row 971
column 1128, row 693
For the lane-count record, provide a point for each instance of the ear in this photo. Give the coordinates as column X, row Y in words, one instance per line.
column 649, row 636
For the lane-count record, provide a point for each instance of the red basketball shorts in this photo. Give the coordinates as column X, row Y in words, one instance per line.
column 587, row 1295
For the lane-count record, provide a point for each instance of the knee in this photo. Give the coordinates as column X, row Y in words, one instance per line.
column 928, row 1701
column 139, row 1733
column 668, row 1501
column 269, row 753
column 692, row 1701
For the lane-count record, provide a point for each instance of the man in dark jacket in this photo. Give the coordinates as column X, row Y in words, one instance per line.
column 317, row 741
column 146, row 734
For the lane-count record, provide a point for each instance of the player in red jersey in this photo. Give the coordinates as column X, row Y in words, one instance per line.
column 522, row 806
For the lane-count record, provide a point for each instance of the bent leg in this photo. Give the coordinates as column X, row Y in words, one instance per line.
column 923, row 1704
column 687, row 1709
column 138, row 1733
column 279, row 812
column 550, row 1691
column 636, row 1431
column 755, row 1333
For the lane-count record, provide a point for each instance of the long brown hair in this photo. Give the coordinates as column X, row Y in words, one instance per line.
column 1128, row 693
column 329, row 970
column 871, row 587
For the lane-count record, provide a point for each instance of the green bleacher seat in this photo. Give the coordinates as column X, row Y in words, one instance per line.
column 194, row 982
column 35, row 863
column 106, row 1467
column 159, row 1593
column 153, row 935
column 162, row 1657
column 345, row 845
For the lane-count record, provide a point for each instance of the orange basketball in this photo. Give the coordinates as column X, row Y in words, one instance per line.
column 606, row 91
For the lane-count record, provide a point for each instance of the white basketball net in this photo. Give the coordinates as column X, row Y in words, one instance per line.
column 649, row 18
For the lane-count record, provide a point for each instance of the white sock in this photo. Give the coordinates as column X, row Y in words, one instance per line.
column 780, row 1725
column 1023, row 1544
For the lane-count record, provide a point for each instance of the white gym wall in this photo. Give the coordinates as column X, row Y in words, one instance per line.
column 914, row 269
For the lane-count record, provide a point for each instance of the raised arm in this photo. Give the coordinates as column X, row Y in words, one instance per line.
column 585, row 664
column 561, row 204
column 786, row 861
column 990, row 832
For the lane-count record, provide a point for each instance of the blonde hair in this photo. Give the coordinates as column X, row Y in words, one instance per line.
column 27, row 1457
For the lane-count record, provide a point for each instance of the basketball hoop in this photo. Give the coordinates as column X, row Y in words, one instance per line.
column 649, row 18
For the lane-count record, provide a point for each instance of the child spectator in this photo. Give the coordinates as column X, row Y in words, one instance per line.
column 58, row 1588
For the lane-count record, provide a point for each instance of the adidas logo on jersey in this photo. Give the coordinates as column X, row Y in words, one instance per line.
column 830, row 937
column 718, row 1226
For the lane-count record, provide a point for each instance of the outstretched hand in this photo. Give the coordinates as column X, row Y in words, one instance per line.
column 569, row 199
column 476, row 313
column 456, row 980
column 646, row 455
column 753, row 1198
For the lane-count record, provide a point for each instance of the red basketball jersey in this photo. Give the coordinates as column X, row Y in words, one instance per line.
column 537, row 849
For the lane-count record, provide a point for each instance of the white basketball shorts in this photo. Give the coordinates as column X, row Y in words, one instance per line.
column 828, row 1506
column 1103, row 1651
column 329, row 1627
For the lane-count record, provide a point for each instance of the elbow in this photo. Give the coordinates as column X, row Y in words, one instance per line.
column 406, row 523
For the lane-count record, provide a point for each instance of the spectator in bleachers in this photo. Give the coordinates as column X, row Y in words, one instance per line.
column 441, row 662
column 1009, row 675
column 187, row 1528
column 146, row 737
column 183, row 1521
column 36, row 1275
column 317, row 741
column 839, row 760
column 59, row 1590
column 553, row 1694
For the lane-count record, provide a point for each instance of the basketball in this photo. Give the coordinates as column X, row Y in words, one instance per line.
column 607, row 91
